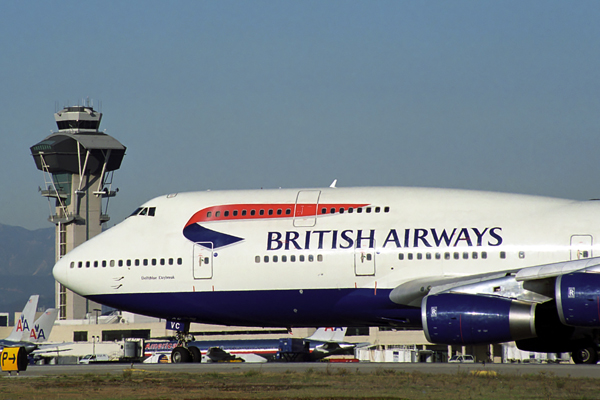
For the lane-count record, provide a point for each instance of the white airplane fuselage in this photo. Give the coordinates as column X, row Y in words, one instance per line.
column 317, row 257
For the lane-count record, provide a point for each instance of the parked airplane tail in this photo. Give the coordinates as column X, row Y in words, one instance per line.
column 24, row 324
column 329, row 334
column 40, row 331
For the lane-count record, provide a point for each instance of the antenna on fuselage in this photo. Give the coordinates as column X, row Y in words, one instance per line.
column 333, row 183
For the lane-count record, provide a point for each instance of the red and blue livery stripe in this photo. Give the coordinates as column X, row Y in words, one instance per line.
column 197, row 233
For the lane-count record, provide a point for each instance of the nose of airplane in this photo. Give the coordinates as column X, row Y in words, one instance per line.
column 61, row 270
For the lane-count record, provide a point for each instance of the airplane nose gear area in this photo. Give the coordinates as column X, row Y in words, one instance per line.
column 184, row 353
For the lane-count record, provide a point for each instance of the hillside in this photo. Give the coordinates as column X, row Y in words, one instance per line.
column 26, row 260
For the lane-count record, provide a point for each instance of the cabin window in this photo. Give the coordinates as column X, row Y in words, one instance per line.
column 275, row 258
column 369, row 257
column 257, row 259
column 129, row 263
column 410, row 256
column 502, row 254
column 301, row 258
column 103, row 263
column 446, row 256
column 311, row 258
column 400, row 256
column 226, row 214
column 359, row 210
column 522, row 254
column 266, row 259
column 80, row 264
column 217, row 214
column 235, row 213
column 162, row 261
column 474, row 255
column 428, row 256
column 292, row 258
column 170, row 261
column 484, row 254
column 377, row 209
column 179, row 261
column 72, row 264
column 261, row 212
column 243, row 213
column 351, row 210
column 154, row 261
column 283, row 258
column 252, row 212
column 341, row 210
column 323, row 211
column 120, row 263
column 270, row 212
column 288, row 211
column 320, row 257
column 419, row 256
column 456, row 255
column 438, row 256
column 368, row 210
column 386, row 209
column 279, row 211
column 95, row 264
column 209, row 214
column 87, row 264
column 332, row 211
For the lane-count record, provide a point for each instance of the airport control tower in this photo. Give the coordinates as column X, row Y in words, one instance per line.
column 78, row 163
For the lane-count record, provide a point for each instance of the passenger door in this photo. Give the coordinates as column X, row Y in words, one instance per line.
column 305, row 213
column 364, row 261
column 203, row 260
column 581, row 246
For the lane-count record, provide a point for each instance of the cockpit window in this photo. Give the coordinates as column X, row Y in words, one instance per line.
column 149, row 211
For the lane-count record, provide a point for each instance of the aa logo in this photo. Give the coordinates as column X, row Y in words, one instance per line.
column 22, row 324
column 37, row 333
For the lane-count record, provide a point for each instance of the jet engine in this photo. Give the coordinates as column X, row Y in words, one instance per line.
column 578, row 299
column 456, row 318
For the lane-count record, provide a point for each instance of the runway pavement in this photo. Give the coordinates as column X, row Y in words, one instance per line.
column 579, row 371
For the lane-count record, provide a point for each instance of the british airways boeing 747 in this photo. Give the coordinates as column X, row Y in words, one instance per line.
column 467, row 267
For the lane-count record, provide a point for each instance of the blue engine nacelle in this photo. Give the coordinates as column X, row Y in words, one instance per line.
column 578, row 299
column 455, row 318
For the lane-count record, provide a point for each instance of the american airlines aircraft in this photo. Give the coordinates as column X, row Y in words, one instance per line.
column 467, row 267
column 27, row 333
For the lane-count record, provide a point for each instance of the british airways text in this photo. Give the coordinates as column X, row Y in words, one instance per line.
column 366, row 238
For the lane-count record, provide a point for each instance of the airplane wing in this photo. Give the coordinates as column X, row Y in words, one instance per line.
column 53, row 349
column 508, row 305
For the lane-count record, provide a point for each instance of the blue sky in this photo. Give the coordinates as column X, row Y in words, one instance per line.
column 501, row 96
